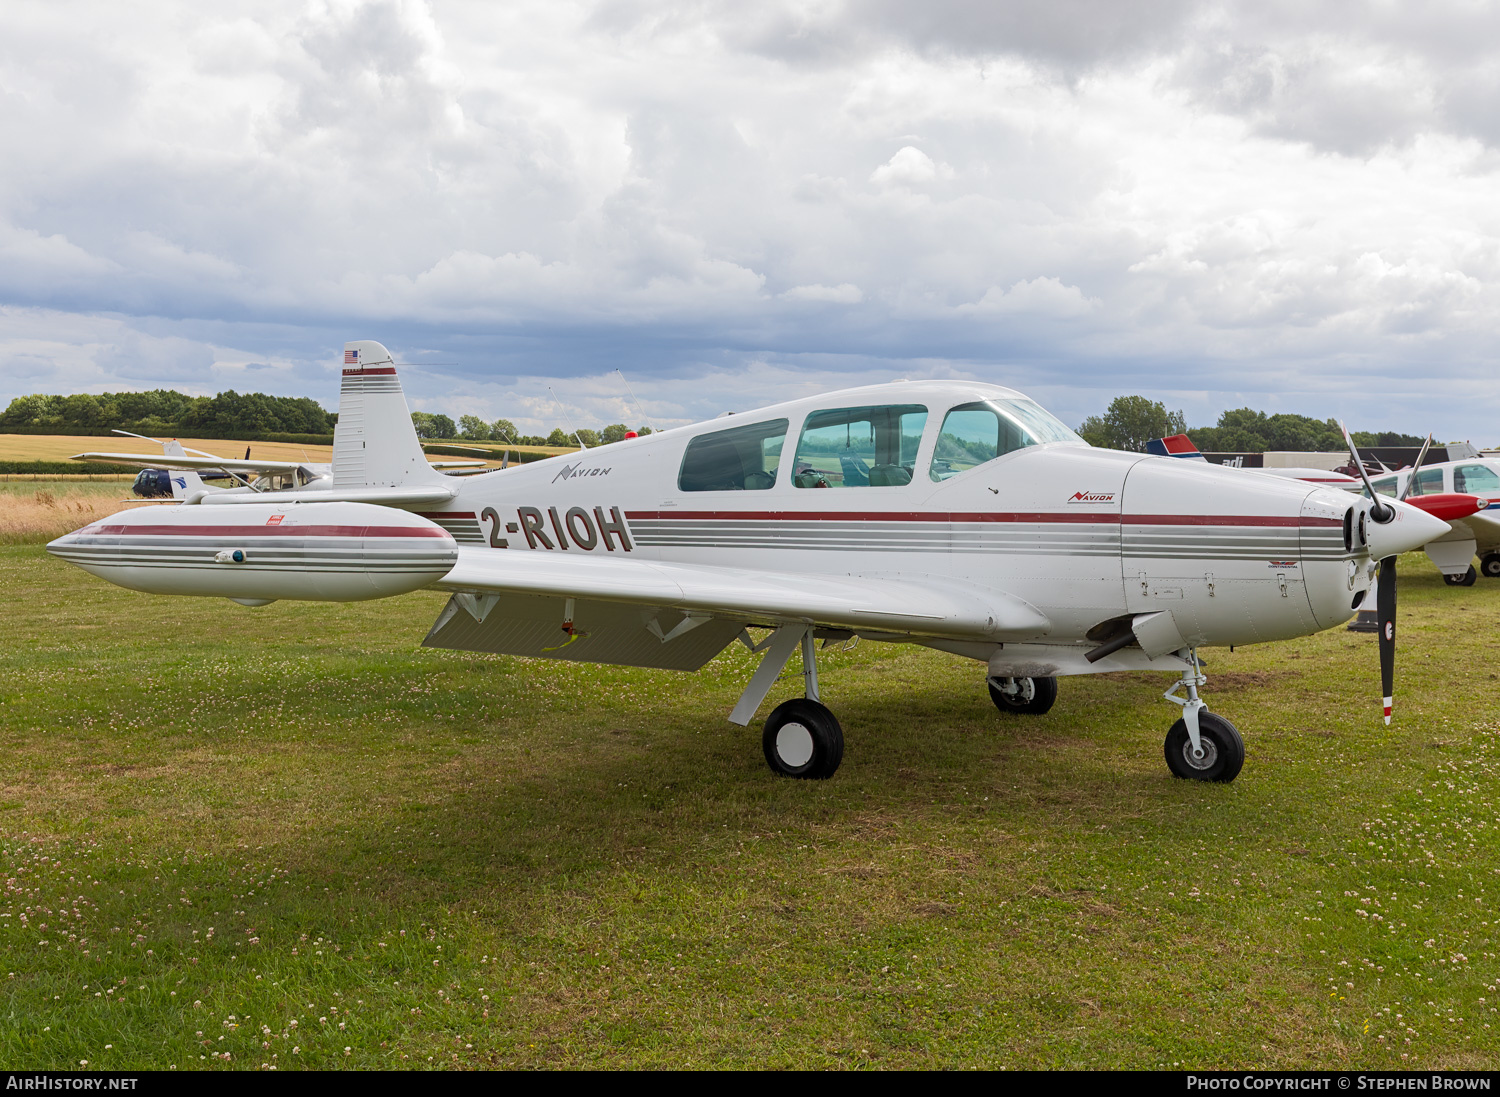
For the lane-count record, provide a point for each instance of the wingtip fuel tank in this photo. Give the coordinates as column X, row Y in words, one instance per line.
column 256, row 553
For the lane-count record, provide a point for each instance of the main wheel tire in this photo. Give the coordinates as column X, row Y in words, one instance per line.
column 1033, row 696
column 1223, row 750
column 1464, row 580
column 1489, row 565
column 803, row 739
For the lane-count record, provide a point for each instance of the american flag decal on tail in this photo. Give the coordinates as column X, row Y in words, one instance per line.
column 351, row 357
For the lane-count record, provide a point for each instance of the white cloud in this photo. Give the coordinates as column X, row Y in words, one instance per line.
column 910, row 167
column 845, row 293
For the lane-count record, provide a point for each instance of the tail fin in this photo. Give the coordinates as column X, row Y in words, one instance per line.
column 1179, row 445
column 374, row 442
column 184, row 481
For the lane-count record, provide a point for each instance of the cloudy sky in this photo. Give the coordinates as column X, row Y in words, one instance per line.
column 1291, row 206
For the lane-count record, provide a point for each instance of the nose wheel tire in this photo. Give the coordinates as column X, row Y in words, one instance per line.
column 1223, row 750
column 1464, row 580
column 1489, row 565
column 1028, row 696
column 803, row 739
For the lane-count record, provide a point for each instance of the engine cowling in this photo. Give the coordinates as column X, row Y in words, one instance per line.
column 257, row 553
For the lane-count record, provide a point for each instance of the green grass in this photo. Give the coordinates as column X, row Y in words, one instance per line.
column 232, row 831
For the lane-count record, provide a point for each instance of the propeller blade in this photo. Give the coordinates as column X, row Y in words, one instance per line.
column 1378, row 510
column 1385, row 609
column 1412, row 478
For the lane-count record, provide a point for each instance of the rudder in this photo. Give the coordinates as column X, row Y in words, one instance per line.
column 374, row 442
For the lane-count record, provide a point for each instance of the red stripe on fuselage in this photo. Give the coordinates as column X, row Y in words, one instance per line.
column 1081, row 517
column 269, row 531
column 370, row 371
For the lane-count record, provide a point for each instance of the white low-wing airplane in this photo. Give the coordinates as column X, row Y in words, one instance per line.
column 956, row 515
column 1469, row 533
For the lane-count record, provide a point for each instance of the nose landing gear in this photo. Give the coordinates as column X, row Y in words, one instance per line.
column 1201, row 746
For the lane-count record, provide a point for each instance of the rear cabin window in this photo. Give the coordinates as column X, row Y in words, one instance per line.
column 1475, row 480
column 1427, row 482
column 982, row 431
column 1386, row 486
column 739, row 459
column 872, row 447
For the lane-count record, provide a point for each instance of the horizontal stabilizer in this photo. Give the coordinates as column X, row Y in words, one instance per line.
column 389, row 497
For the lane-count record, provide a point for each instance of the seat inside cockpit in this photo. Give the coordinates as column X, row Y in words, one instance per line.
column 867, row 447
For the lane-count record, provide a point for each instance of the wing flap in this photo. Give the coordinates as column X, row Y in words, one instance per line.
column 605, row 632
column 924, row 606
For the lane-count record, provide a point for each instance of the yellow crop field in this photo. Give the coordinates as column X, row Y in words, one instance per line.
column 59, row 447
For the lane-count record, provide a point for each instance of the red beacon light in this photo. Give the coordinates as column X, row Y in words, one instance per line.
column 631, row 434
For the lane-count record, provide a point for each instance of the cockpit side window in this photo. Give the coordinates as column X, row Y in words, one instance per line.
column 870, row 447
column 986, row 429
column 1428, row 482
column 1475, row 480
column 738, row 459
column 1386, row 486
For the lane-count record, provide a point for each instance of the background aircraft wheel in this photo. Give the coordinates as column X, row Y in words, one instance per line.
column 1033, row 696
column 1489, row 565
column 803, row 739
column 1464, row 580
column 1223, row 750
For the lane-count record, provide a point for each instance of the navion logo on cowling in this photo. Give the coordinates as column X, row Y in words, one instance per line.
column 1092, row 497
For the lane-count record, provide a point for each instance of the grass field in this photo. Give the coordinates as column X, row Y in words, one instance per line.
column 289, row 836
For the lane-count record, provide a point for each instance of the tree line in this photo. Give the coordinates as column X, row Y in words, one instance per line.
column 474, row 429
column 167, row 412
column 1132, row 421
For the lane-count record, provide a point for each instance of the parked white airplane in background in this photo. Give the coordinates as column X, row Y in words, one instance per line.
column 956, row 515
column 1469, row 532
column 176, row 473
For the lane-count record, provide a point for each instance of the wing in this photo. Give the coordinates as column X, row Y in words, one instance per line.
column 633, row 611
column 185, row 461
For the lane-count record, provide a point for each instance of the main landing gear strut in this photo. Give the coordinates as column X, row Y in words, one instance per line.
column 802, row 737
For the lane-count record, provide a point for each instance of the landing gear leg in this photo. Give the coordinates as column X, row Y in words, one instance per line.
column 802, row 737
column 1201, row 746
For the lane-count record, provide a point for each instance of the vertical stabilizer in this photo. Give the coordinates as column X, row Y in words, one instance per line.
column 374, row 443
column 184, row 481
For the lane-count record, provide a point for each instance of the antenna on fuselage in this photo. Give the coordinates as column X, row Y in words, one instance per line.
column 638, row 409
column 564, row 411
